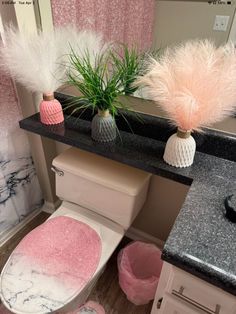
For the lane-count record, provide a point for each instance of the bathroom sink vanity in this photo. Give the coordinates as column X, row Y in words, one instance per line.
column 199, row 272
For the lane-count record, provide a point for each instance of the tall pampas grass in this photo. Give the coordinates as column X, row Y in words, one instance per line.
column 39, row 61
column 85, row 43
column 34, row 60
column 194, row 83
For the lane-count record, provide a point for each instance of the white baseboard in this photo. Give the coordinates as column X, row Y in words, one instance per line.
column 138, row 235
column 9, row 234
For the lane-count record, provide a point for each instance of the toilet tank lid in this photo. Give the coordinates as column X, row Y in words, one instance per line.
column 101, row 170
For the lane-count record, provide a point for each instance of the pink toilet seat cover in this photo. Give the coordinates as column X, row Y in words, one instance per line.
column 55, row 261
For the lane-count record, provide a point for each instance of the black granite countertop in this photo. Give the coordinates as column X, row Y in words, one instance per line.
column 202, row 240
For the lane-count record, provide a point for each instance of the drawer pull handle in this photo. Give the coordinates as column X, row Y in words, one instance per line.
column 159, row 302
column 180, row 294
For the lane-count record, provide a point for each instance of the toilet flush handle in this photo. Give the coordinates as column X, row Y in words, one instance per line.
column 57, row 171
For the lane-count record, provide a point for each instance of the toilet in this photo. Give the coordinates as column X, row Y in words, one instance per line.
column 55, row 267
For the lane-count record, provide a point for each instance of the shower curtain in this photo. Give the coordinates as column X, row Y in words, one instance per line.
column 20, row 192
column 126, row 21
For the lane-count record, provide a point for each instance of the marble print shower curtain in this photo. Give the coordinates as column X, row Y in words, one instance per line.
column 127, row 21
column 20, row 192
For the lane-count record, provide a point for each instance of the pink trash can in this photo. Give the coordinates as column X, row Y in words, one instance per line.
column 139, row 266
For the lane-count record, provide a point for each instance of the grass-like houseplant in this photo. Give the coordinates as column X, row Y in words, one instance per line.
column 195, row 84
column 100, row 85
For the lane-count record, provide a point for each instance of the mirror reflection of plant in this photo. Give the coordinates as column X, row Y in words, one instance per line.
column 128, row 61
column 98, row 83
column 131, row 64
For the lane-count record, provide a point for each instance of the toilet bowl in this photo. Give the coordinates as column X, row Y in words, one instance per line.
column 55, row 267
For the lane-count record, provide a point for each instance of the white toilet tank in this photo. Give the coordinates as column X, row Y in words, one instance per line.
column 107, row 187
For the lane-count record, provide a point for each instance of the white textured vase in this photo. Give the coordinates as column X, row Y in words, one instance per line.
column 180, row 149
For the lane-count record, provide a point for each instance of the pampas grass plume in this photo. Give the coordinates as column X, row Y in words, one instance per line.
column 34, row 59
column 194, row 83
column 83, row 41
column 39, row 61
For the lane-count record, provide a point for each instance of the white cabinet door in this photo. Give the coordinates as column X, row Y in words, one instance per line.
column 191, row 290
column 183, row 293
column 196, row 291
column 172, row 305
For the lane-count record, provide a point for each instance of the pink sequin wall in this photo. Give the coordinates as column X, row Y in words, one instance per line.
column 8, row 105
column 126, row 21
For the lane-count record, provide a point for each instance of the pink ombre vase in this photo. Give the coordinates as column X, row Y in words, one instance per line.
column 50, row 110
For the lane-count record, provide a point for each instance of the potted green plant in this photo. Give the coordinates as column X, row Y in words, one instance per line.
column 99, row 85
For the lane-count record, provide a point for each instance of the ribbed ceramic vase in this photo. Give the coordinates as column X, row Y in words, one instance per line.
column 103, row 127
column 50, row 110
column 180, row 149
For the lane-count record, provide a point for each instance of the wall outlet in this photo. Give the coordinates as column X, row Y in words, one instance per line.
column 221, row 23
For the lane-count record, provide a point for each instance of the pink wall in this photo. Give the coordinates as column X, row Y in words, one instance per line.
column 129, row 21
column 9, row 108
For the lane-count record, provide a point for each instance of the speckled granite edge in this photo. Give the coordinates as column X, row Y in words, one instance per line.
column 202, row 241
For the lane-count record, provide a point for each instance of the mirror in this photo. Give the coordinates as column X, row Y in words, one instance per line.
column 153, row 24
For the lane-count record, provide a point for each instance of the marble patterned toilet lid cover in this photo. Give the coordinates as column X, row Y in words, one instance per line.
column 50, row 266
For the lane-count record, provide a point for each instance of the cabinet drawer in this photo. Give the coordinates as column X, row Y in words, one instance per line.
column 193, row 290
column 172, row 305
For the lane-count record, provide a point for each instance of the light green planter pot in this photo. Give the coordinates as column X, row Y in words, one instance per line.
column 103, row 127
